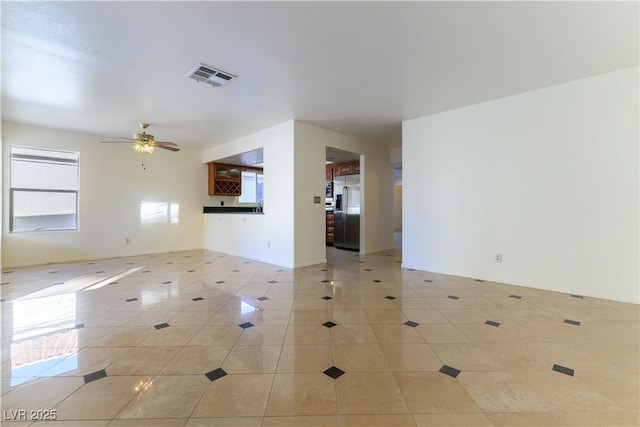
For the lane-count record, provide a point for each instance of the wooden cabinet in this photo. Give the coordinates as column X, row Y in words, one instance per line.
column 224, row 180
column 344, row 169
column 329, row 173
column 330, row 228
column 350, row 168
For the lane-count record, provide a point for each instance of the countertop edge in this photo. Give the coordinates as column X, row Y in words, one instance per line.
column 230, row 210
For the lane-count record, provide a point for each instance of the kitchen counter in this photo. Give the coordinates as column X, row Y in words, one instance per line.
column 230, row 210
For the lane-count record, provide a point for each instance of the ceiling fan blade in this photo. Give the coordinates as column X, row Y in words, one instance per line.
column 166, row 143
column 116, row 142
column 166, row 147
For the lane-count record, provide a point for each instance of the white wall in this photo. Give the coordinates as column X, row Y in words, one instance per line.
column 376, row 181
column 269, row 237
column 547, row 178
column 112, row 187
column 397, row 207
column 310, row 173
column 396, row 154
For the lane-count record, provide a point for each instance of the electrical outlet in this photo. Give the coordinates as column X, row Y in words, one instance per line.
column 498, row 258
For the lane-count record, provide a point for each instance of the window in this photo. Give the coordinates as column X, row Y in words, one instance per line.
column 252, row 183
column 44, row 190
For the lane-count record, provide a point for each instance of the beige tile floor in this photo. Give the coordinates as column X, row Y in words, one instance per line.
column 204, row 339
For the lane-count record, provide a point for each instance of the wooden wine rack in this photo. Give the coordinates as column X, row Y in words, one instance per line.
column 227, row 188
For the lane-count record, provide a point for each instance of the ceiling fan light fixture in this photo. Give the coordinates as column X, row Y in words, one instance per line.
column 142, row 147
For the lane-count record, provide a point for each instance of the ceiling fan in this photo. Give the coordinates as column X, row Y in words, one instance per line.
column 145, row 143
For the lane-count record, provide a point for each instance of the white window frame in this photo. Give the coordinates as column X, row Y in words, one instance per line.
column 13, row 190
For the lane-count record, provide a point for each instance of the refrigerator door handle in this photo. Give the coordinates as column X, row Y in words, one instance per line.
column 345, row 208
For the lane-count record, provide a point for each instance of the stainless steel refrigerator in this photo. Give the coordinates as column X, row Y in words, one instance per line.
column 347, row 212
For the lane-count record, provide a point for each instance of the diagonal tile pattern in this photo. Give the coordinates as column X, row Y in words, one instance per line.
column 201, row 338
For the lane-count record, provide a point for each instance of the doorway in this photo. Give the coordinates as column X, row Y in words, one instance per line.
column 397, row 206
column 343, row 203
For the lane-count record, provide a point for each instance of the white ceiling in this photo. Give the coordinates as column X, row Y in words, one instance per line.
column 356, row 67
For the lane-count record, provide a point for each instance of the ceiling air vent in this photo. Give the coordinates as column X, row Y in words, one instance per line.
column 210, row 75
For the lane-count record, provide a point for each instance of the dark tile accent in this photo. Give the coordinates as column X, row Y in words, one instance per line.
column 273, row 281
column 480, row 280
column 563, row 370
column 326, row 297
column 324, row 269
column 329, row 324
column 90, row 263
column 215, row 374
column 161, row 325
column 515, row 296
column 389, row 255
column 146, row 271
column 95, row 376
column 5, row 283
column 79, row 326
column 167, row 282
column 7, row 272
column 235, row 271
column 53, row 272
column 367, row 269
column 377, row 281
column 246, row 325
column 113, row 283
column 279, row 271
column 220, row 281
column 411, row 323
column 129, row 263
column 169, row 262
column 334, row 372
column 453, row 297
column 262, row 298
column 132, row 299
column 58, row 283
column 398, row 262
column 412, row 269
column 389, row 297
column 247, row 262
column 197, row 299
column 448, row 370
column 208, row 262
column 577, row 296
column 428, row 281
column 190, row 271
column 326, row 281
column 572, row 322
column 492, row 323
